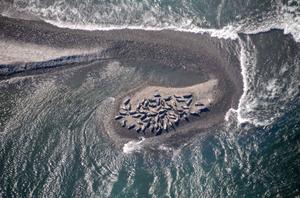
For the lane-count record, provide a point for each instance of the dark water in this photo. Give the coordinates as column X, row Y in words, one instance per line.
column 52, row 139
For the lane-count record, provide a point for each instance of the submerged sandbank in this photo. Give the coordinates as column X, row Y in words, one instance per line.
column 211, row 58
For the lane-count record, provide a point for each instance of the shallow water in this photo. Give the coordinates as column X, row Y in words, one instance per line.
column 52, row 138
column 221, row 18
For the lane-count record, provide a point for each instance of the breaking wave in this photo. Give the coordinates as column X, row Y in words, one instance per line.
column 226, row 21
column 133, row 146
column 53, row 144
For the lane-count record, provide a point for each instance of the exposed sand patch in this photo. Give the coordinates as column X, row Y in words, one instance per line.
column 205, row 93
column 149, row 113
column 16, row 52
column 211, row 57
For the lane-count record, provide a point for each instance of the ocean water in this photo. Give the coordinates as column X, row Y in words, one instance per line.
column 54, row 145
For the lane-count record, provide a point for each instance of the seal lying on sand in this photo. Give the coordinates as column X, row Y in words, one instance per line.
column 163, row 116
column 161, row 109
column 187, row 53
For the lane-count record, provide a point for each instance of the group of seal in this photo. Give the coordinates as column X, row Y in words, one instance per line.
column 159, row 113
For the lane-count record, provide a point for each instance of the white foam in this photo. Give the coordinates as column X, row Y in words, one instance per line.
column 133, row 146
column 165, row 148
column 248, row 63
column 228, row 32
column 244, row 64
column 145, row 15
column 247, row 100
column 288, row 25
column 287, row 19
column 262, row 100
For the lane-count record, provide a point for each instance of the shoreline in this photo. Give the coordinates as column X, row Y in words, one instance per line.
column 207, row 93
column 213, row 58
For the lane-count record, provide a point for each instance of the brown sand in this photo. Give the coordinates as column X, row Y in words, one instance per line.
column 205, row 93
column 214, row 58
column 21, row 52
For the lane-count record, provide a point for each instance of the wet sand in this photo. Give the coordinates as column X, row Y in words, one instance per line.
column 213, row 58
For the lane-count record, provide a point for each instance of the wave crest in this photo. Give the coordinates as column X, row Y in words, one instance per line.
column 225, row 20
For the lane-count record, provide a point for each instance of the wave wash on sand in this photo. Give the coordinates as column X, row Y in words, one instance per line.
column 191, row 58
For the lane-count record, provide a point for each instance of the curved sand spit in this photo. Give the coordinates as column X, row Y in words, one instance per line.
column 212, row 58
